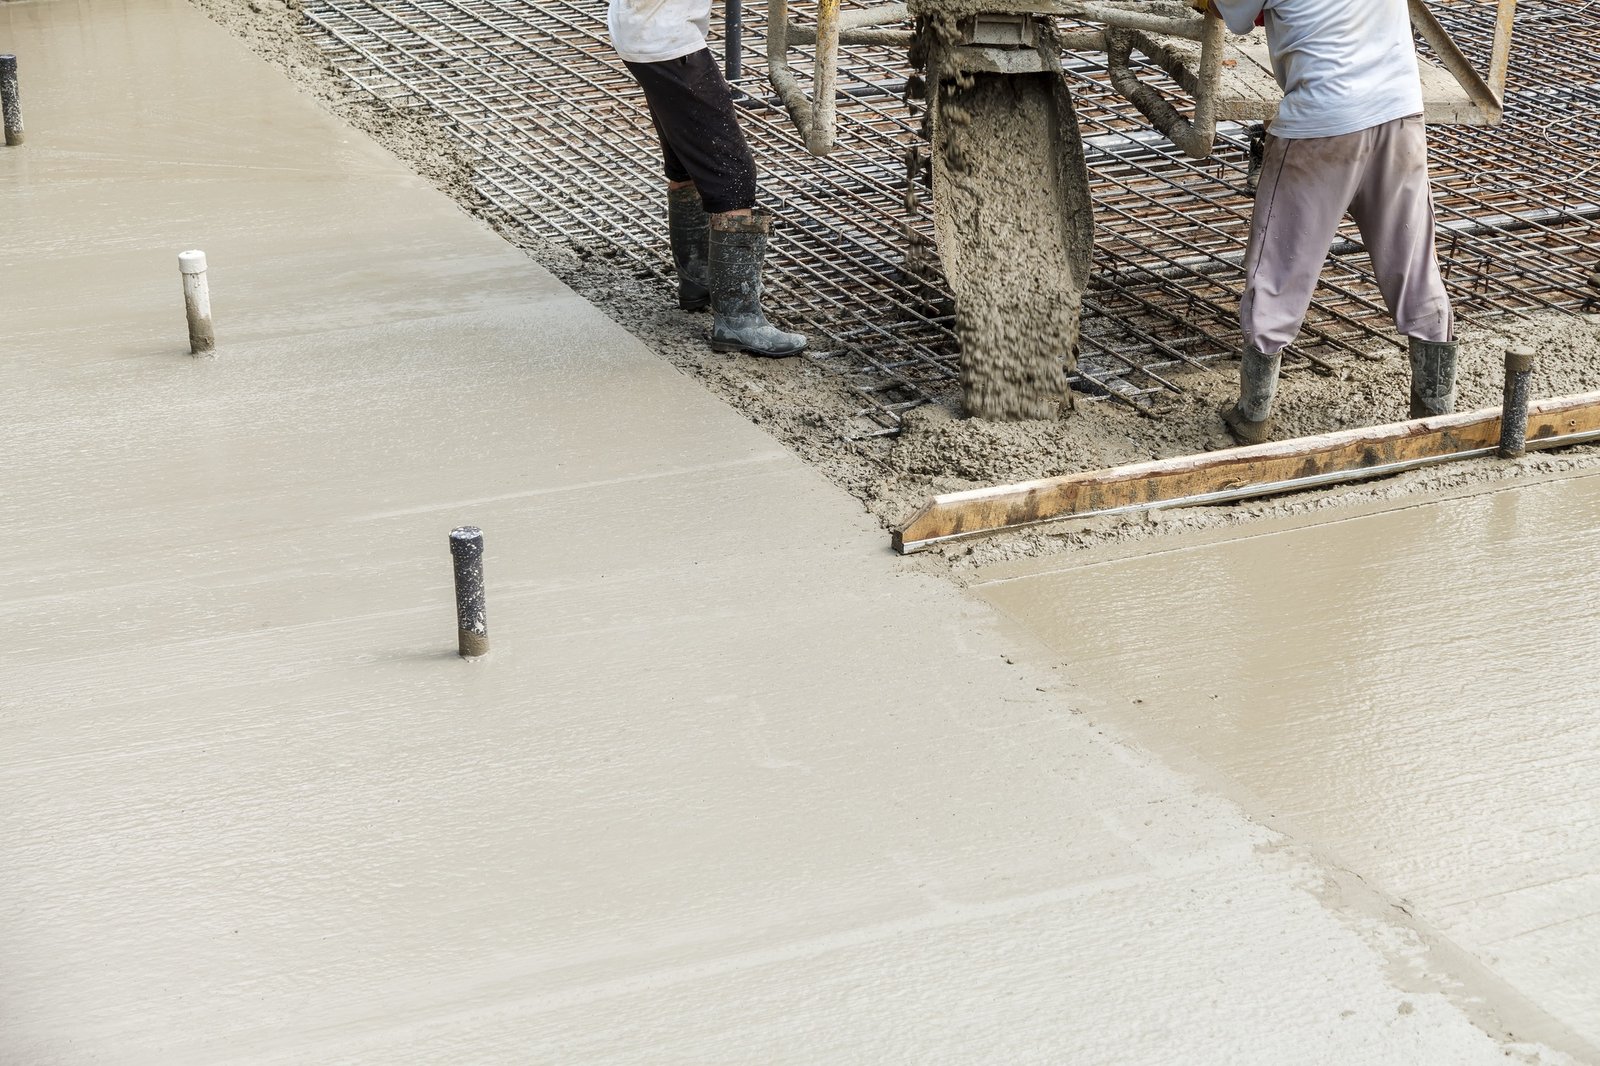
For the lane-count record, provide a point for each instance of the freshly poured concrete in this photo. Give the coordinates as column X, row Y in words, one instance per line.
column 728, row 788
column 1416, row 690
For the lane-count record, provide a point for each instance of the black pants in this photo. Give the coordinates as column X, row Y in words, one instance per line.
column 699, row 129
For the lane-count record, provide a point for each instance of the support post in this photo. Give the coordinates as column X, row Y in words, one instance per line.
column 1514, row 409
column 472, row 625
column 10, row 101
column 197, row 302
column 1500, row 53
column 733, row 39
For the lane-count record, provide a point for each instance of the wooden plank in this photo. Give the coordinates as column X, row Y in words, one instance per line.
column 1246, row 88
column 1444, row 48
column 1240, row 473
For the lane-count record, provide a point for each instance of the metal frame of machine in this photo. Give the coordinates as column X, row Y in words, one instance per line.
column 1125, row 25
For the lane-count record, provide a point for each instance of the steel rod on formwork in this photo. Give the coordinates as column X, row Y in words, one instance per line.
column 532, row 90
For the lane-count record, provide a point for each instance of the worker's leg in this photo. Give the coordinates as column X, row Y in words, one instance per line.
column 688, row 225
column 699, row 128
column 1394, row 209
column 688, row 228
column 677, row 174
column 1304, row 187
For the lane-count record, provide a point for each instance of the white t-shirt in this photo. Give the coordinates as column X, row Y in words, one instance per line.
column 1343, row 65
column 654, row 31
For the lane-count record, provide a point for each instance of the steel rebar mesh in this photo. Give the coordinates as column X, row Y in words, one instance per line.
column 534, row 92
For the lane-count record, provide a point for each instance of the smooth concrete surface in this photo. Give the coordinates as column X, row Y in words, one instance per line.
column 732, row 785
column 1416, row 689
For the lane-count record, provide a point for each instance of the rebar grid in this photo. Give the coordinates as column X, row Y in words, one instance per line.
column 533, row 91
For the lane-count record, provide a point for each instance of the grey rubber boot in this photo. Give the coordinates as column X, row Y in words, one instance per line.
column 738, row 247
column 1433, row 377
column 1257, row 153
column 1250, row 420
column 689, row 228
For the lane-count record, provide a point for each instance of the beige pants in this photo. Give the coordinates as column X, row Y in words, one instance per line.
column 1380, row 175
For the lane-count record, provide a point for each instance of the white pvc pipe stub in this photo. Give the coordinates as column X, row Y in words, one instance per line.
column 197, row 302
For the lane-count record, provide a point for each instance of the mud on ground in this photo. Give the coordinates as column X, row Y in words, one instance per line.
column 806, row 403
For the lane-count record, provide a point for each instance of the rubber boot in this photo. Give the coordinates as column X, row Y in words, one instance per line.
column 1257, row 153
column 1433, row 377
column 738, row 246
column 1250, row 420
column 689, row 228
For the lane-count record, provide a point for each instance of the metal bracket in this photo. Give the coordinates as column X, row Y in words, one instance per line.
column 1000, row 30
column 815, row 118
column 1005, row 24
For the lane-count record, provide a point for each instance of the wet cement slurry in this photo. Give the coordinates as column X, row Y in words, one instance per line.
column 1417, row 690
column 734, row 785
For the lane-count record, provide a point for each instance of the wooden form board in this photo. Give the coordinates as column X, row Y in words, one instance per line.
column 1241, row 473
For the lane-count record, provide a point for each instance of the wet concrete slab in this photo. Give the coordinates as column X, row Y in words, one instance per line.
column 732, row 784
column 1415, row 690
column 306, row 227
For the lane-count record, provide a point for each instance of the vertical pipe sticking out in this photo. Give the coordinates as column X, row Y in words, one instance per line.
column 733, row 38
column 197, row 302
column 472, row 624
column 10, row 101
column 1514, row 409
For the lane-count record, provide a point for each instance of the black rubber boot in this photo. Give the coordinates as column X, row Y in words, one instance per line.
column 1433, row 377
column 689, row 228
column 1250, row 420
column 738, row 247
